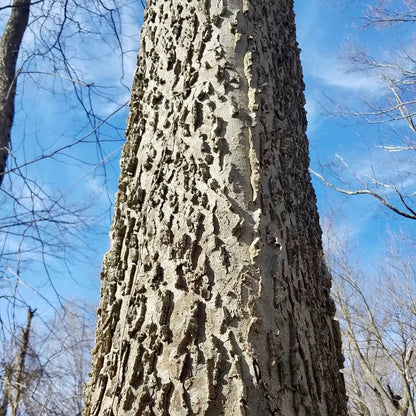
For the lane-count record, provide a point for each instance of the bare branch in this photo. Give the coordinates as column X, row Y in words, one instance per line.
column 379, row 197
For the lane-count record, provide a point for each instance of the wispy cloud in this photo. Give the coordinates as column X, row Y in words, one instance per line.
column 323, row 58
column 330, row 71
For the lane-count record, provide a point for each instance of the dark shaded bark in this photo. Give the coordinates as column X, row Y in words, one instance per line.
column 9, row 49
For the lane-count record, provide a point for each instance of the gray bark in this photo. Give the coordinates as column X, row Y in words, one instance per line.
column 18, row 376
column 7, row 391
column 215, row 296
column 10, row 42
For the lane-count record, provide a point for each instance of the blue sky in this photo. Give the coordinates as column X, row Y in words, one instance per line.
column 325, row 31
column 46, row 121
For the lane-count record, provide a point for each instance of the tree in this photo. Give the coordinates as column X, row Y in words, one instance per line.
column 51, row 48
column 44, row 47
column 44, row 370
column 13, row 378
column 10, row 43
column 377, row 313
column 47, row 57
column 375, row 302
column 54, row 29
column 215, row 295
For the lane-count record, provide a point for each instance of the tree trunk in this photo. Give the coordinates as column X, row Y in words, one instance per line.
column 18, row 377
column 7, row 390
column 215, row 296
column 10, row 43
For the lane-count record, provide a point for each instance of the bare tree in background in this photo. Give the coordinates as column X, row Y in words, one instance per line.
column 50, row 380
column 377, row 312
column 10, row 42
column 392, row 111
column 376, row 302
column 13, row 380
column 49, row 47
column 54, row 33
column 73, row 53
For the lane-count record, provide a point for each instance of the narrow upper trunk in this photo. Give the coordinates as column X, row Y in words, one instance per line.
column 21, row 357
column 10, row 43
column 7, row 389
column 215, row 296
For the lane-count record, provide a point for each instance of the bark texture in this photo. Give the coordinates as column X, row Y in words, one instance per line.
column 215, row 296
column 10, row 42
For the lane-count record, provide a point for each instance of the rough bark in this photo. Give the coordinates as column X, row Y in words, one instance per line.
column 10, row 42
column 215, row 296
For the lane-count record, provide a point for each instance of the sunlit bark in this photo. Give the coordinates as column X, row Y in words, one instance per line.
column 215, row 295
